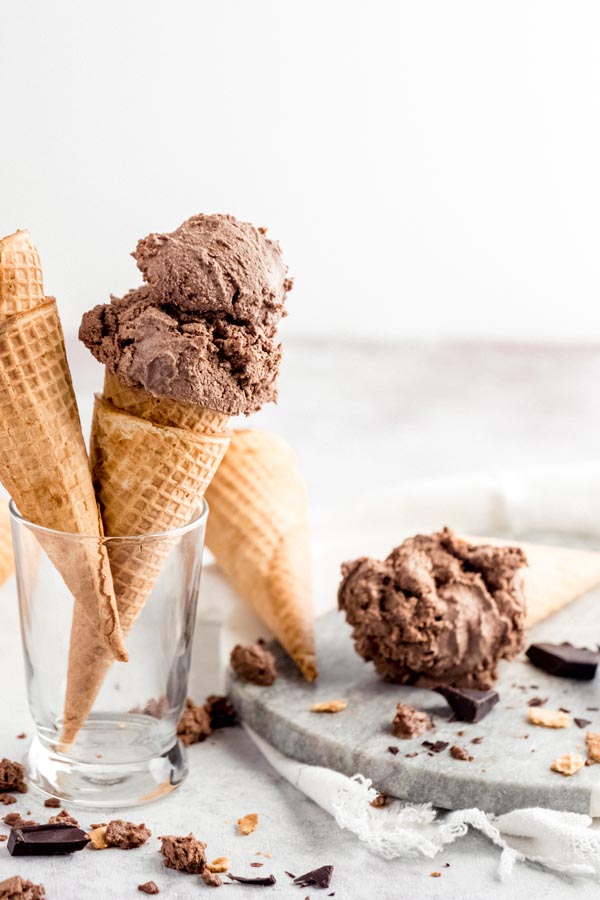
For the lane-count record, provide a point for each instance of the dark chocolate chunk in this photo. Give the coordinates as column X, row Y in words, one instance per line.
column 263, row 881
column 537, row 701
column 582, row 723
column 320, row 877
column 436, row 746
column 564, row 660
column 393, row 750
column 466, row 704
column 46, row 840
column 221, row 711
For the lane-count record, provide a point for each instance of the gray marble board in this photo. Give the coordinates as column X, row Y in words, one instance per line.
column 511, row 767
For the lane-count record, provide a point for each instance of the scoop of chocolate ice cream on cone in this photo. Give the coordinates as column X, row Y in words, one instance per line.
column 438, row 609
column 183, row 352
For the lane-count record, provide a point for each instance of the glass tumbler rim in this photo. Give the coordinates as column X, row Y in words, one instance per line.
column 198, row 520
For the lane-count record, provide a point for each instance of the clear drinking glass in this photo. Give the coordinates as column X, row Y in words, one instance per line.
column 127, row 751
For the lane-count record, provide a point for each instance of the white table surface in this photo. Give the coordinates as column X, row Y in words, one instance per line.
column 361, row 418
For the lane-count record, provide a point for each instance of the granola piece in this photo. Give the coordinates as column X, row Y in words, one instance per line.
column 379, row 801
column 330, row 706
column 461, row 753
column 15, row 820
column 63, row 816
column 126, row 835
column 549, row 718
column 194, row 725
column 7, row 799
column 247, row 824
column 150, row 887
column 211, row 879
column 185, row 854
column 254, row 663
column 12, row 776
column 592, row 740
column 52, row 803
column 17, row 888
column 219, row 865
column 410, row 722
column 569, row 764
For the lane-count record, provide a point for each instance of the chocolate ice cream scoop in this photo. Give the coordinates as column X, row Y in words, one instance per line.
column 202, row 329
column 438, row 608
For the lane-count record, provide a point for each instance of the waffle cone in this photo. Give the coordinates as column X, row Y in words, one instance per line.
column 7, row 563
column 21, row 281
column 43, row 460
column 139, row 402
column 554, row 576
column 258, row 532
column 150, row 478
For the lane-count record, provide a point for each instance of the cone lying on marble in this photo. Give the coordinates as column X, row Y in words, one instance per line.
column 258, row 532
column 43, row 460
column 149, row 478
column 7, row 563
column 554, row 576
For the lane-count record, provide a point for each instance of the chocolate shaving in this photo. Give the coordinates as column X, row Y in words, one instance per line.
column 437, row 746
column 393, row 750
column 320, row 877
column 582, row 723
column 538, row 701
column 262, row 881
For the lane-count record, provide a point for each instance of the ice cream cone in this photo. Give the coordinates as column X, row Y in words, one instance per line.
column 21, row 281
column 7, row 563
column 150, row 478
column 554, row 577
column 43, row 460
column 258, row 532
column 139, row 402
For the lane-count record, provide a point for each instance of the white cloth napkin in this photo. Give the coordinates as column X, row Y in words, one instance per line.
column 558, row 504
column 564, row 842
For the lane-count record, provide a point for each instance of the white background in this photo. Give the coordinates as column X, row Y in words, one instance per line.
column 431, row 168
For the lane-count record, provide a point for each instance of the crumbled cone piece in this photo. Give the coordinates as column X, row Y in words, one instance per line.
column 592, row 741
column 221, row 711
column 219, row 865
column 330, row 706
column 194, row 725
column 211, row 879
column 569, row 764
column 97, row 837
column 52, row 803
column 247, row 824
column 126, row 835
column 63, row 816
column 410, row 722
column 254, row 663
column 17, row 888
column 185, row 854
column 12, row 776
column 548, row 718
column 150, row 887
column 461, row 753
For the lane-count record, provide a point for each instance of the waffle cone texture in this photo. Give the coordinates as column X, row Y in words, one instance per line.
column 258, row 531
column 149, row 478
column 43, row 460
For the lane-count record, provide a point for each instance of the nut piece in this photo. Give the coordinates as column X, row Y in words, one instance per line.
column 220, row 864
column 247, row 824
column 549, row 718
column 98, row 838
column 568, row 764
column 592, row 740
column 331, row 706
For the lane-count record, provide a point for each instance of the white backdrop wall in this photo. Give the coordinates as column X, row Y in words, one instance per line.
column 431, row 167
